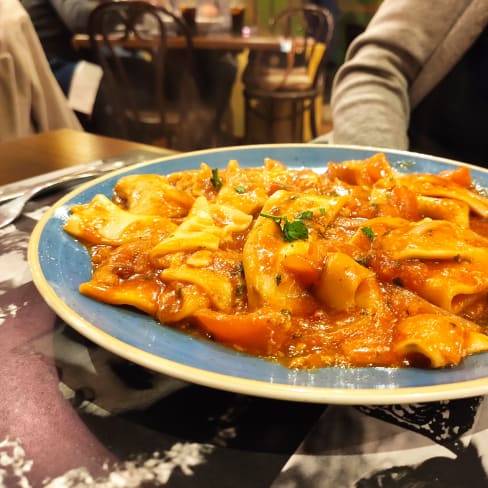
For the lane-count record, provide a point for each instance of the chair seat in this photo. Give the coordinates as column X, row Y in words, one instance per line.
column 282, row 79
column 282, row 93
column 149, row 116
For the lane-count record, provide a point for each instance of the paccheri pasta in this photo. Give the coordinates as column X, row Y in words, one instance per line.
column 356, row 266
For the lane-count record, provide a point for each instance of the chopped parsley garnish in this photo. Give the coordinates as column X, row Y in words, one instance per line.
column 308, row 214
column 368, row 232
column 292, row 231
column 216, row 180
column 240, row 189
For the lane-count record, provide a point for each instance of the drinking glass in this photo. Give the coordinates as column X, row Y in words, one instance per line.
column 237, row 11
column 188, row 11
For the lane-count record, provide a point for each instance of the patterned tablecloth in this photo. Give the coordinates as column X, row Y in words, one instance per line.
column 75, row 415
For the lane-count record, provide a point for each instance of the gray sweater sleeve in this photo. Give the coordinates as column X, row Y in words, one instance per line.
column 371, row 97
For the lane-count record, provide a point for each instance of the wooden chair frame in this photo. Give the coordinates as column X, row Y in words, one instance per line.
column 317, row 24
column 110, row 26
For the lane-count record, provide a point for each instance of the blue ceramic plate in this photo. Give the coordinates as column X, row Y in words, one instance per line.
column 59, row 264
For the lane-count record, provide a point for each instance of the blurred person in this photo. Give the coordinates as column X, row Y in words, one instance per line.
column 216, row 13
column 55, row 22
column 417, row 79
column 215, row 70
column 31, row 100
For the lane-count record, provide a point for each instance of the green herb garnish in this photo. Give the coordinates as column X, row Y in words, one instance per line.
column 240, row 189
column 216, row 180
column 292, row 231
column 308, row 215
column 368, row 232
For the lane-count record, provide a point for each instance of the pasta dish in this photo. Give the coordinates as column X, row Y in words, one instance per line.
column 359, row 265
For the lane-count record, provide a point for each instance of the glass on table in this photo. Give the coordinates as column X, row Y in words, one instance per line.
column 188, row 11
column 237, row 11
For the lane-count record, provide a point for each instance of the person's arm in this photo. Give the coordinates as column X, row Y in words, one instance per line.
column 74, row 13
column 370, row 98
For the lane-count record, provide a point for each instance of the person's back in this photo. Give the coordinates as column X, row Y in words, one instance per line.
column 55, row 22
column 416, row 79
column 52, row 32
column 30, row 99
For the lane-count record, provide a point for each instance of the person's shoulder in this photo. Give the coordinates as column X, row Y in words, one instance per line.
column 420, row 10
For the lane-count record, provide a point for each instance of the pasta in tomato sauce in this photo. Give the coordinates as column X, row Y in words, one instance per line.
column 356, row 266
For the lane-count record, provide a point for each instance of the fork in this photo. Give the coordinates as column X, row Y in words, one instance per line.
column 12, row 209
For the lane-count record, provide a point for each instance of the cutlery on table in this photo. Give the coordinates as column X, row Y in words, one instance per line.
column 13, row 197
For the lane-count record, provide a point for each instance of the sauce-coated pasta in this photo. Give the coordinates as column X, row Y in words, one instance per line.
column 357, row 266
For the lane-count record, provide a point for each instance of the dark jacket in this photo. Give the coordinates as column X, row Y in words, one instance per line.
column 56, row 21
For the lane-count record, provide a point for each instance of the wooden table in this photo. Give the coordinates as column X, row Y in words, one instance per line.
column 226, row 42
column 241, row 45
column 34, row 155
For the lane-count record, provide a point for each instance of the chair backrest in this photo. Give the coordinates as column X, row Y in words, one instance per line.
column 306, row 33
column 135, row 77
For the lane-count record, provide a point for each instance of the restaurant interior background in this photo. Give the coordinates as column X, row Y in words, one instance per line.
column 350, row 16
column 239, row 126
column 350, row 19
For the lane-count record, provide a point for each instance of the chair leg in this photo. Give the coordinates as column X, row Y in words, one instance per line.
column 313, row 121
column 269, row 117
column 246, row 118
column 294, row 121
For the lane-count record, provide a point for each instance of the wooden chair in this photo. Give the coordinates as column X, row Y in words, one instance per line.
column 282, row 90
column 142, row 103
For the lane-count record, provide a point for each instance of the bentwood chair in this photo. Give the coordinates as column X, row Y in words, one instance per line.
column 282, row 89
column 129, row 40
